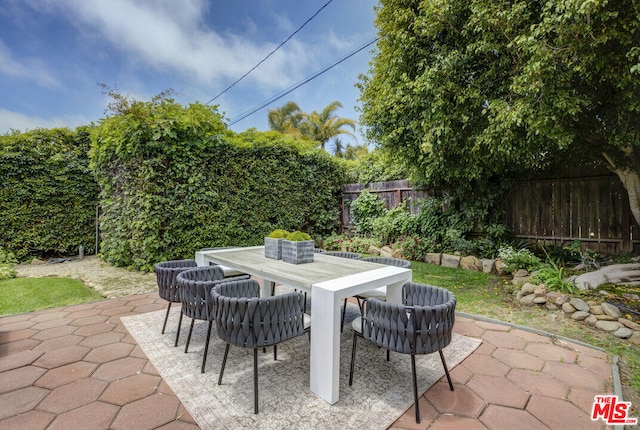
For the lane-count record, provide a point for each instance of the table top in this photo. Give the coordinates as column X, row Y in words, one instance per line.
column 323, row 268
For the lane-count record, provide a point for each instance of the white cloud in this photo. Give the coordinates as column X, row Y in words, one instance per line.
column 19, row 121
column 29, row 69
column 168, row 34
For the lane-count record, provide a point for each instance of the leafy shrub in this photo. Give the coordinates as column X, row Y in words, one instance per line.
column 334, row 242
column 7, row 260
column 364, row 210
column 393, row 225
column 360, row 244
column 415, row 248
column 521, row 259
column 553, row 277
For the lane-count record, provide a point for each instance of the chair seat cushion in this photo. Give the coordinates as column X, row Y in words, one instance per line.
column 357, row 325
column 378, row 293
column 307, row 321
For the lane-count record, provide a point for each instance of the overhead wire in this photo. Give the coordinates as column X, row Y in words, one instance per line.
column 270, row 53
column 283, row 93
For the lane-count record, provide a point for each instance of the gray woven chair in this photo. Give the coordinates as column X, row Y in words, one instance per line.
column 243, row 319
column 195, row 294
column 166, row 274
column 378, row 293
column 423, row 324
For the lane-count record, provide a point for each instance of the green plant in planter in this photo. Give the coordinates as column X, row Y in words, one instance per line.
column 297, row 236
column 278, row 234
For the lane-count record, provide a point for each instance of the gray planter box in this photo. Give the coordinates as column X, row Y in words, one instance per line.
column 297, row 252
column 273, row 248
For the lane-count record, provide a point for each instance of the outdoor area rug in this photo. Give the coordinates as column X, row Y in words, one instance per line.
column 380, row 394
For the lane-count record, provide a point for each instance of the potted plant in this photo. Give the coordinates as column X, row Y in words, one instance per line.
column 273, row 244
column 297, row 248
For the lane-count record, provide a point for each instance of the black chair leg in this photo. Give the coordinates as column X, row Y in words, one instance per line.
column 206, row 347
column 275, row 352
column 353, row 357
column 344, row 312
column 255, row 380
column 446, row 370
column 224, row 362
column 415, row 388
column 178, row 331
column 166, row 317
column 186, row 347
column 387, row 355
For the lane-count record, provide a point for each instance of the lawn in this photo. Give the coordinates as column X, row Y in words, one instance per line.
column 20, row 295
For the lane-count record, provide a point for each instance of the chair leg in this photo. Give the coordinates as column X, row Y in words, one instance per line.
column 353, row 357
column 166, row 317
column 255, row 380
column 275, row 352
column 224, row 362
column 206, row 347
column 186, row 347
column 415, row 388
column 446, row 370
column 387, row 355
column 178, row 331
column 344, row 312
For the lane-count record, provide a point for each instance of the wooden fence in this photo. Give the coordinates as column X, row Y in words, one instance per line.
column 592, row 209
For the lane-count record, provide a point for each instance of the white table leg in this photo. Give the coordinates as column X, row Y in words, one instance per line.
column 325, row 344
column 200, row 260
column 267, row 288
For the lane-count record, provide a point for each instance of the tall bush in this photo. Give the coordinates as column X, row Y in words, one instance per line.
column 48, row 194
column 174, row 180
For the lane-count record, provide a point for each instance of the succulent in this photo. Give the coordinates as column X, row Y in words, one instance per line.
column 278, row 234
column 298, row 236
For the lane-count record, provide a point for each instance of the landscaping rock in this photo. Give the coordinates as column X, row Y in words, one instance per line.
column 623, row 333
column 608, row 326
column 629, row 324
column 386, row 251
column 635, row 338
column 596, row 309
column 488, row 265
column 397, row 253
column 557, row 298
column 449, row 260
column 37, row 261
column 613, row 274
column 611, row 310
column 540, row 291
column 520, row 273
column 579, row 315
column 539, row 300
column 591, row 320
column 499, row 266
column 528, row 288
column 433, row 258
column 551, row 306
column 527, row 300
column 604, row 317
column 471, row 263
column 374, row 250
column 579, row 304
column 568, row 308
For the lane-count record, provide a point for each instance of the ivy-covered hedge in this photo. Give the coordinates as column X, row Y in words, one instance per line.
column 174, row 180
column 48, row 194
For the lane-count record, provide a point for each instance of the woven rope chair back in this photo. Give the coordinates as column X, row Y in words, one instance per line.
column 352, row 255
column 399, row 262
column 195, row 286
column 422, row 325
column 166, row 277
column 253, row 322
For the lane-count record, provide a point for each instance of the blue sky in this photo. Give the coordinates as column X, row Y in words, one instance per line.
column 54, row 52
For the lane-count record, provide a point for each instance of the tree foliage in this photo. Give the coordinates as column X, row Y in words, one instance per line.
column 472, row 93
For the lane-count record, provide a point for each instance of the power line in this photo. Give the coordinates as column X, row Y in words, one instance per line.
column 270, row 53
column 298, row 85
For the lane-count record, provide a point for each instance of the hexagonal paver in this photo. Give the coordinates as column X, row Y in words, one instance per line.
column 62, row 356
column 560, row 414
column 498, row 391
column 408, row 420
column 58, row 343
column 539, row 383
column 485, row 365
column 518, row 359
column 501, row 417
column 19, row 378
column 81, row 314
column 18, row 325
column 93, row 329
column 493, row 326
column 130, row 389
column 596, row 365
column 73, row 395
column 503, row 340
column 19, row 401
column 48, row 316
column 575, row 376
column 105, row 353
column 117, row 311
column 93, row 416
column 18, row 359
column 12, row 336
column 467, row 328
column 551, row 352
column 66, row 374
column 119, row 369
column 51, row 323
column 17, row 346
column 32, row 420
column 147, row 413
column 449, row 422
column 54, row 332
column 462, row 401
column 89, row 320
column 531, row 337
column 100, row 339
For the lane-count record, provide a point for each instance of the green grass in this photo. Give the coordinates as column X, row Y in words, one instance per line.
column 20, row 295
column 490, row 296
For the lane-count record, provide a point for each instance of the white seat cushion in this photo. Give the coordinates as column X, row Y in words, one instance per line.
column 357, row 324
column 307, row 321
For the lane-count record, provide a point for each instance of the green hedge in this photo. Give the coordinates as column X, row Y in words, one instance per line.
column 48, row 194
column 174, row 180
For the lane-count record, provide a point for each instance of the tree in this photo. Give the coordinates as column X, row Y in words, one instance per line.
column 325, row 125
column 286, row 119
column 471, row 93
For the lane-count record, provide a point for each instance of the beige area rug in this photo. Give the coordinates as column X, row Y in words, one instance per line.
column 380, row 394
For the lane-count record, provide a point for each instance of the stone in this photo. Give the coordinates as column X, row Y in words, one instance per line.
column 579, row 267
column 520, row 273
column 551, row 306
column 629, row 324
column 611, row 310
column 557, row 298
column 568, row 308
column 37, row 261
column 540, row 291
column 527, row 300
column 528, row 288
column 635, row 338
column 374, row 250
column 488, row 265
column 579, row 304
column 613, row 274
column 623, row 333
column 433, row 258
column 604, row 317
column 630, row 296
column 500, row 267
column 386, row 251
column 591, row 320
column 596, row 310
column 449, row 260
column 579, row 315
column 608, row 326
column 603, row 293
column 539, row 300
column 471, row 263
column 397, row 253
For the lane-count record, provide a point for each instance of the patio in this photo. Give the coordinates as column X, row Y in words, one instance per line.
column 77, row 367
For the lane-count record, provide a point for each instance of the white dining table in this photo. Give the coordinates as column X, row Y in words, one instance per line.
column 330, row 280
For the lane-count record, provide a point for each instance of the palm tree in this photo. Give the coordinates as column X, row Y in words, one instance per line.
column 322, row 126
column 286, row 119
